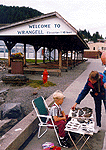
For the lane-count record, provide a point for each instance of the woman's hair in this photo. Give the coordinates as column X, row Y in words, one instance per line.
column 94, row 75
column 58, row 95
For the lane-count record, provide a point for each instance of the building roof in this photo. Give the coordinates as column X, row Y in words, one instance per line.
column 37, row 19
column 49, row 30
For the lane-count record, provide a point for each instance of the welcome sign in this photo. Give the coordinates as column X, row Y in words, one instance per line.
column 46, row 26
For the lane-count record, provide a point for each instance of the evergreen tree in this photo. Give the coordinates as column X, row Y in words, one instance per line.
column 86, row 35
column 9, row 14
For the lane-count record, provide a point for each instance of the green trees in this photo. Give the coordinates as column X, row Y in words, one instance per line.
column 9, row 14
column 86, row 35
column 96, row 36
column 12, row 14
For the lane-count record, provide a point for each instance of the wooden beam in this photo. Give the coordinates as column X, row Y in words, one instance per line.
column 50, row 54
column 67, row 59
column 54, row 55
column 60, row 59
column 82, row 55
column 43, row 54
column 35, row 57
column 10, row 45
column 24, row 54
column 9, row 54
column 36, row 49
column 71, row 55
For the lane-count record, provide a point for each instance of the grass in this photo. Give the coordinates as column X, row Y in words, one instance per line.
column 3, row 59
column 39, row 83
column 30, row 60
column 33, row 61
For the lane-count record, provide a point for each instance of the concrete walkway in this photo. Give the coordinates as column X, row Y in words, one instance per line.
column 71, row 93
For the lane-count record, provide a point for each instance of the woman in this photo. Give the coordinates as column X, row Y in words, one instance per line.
column 94, row 83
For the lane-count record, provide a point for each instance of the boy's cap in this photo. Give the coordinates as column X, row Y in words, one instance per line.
column 58, row 95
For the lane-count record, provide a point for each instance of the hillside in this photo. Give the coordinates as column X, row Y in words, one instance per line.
column 9, row 14
column 12, row 14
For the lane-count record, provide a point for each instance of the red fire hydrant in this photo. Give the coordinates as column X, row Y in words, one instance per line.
column 45, row 76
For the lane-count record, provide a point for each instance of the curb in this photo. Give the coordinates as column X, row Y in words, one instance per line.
column 104, row 143
column 17, row 135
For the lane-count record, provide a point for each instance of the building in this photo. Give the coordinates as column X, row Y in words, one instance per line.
column 30, row 52
column 95, row 49
column 50, row 31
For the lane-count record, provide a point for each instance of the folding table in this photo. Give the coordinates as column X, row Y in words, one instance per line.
column 85, row 128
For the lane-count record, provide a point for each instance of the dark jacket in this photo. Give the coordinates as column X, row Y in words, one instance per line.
column 93, row 88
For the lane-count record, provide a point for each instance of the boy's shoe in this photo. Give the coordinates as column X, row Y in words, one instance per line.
column 97, row 129
column 64, row 143
column 66, row 138
column 72, row 136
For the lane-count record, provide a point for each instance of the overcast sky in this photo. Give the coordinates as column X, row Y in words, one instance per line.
column 82, row 14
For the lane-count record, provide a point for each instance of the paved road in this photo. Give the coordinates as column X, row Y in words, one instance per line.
column 71, row 94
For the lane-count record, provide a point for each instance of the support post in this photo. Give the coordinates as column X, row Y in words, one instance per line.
column 50, row 54
column 60, row 59
column 35, row 57
column 24, row 54
column 54, row 55
column 43, row 54
column 67, row 59
column 71, row 55
column 36, row 49
column 82, row 55
column 10, row 45
column 9, row 54
column 77, row 57
column 74, row 59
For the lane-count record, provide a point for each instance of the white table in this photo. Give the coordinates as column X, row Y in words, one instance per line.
column 86, row 128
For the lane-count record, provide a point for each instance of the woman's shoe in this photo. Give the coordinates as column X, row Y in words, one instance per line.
column 97, row 129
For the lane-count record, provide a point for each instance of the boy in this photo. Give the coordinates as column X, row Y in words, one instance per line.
column 59, row 117
column 94, row 83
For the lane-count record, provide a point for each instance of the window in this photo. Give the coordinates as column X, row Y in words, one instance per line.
column 93, row 48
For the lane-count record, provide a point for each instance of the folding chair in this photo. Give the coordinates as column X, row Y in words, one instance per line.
column 42, row 111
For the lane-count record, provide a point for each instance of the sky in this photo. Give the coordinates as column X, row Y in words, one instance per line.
column 81, row 14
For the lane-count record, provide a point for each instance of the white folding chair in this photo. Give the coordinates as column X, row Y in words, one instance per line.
column 42, row 111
